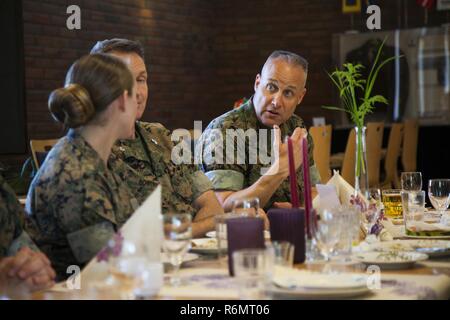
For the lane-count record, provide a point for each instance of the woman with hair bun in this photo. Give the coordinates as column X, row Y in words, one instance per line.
column 75, row 202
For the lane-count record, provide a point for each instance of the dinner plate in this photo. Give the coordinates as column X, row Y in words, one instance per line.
column 391, row 259
column 432, row 248
column 204, row 246
column 295, row 284
column 303, row 293
column 212, row 234
column 426, row 237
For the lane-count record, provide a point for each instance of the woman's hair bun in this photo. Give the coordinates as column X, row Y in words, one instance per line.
column 71, row 105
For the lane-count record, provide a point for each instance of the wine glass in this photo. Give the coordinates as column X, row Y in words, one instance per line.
column 375, row 196
column 177, row 239
column 327, row 231
column 411, row 181
column 439, row 194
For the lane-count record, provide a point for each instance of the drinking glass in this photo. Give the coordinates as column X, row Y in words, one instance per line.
column 221, row 233
column 177, row 239
column 253, row 269
column 375, row 196
column 411, row 181
column 139, row 278
column 392, row 202
column 248, row 206
column 349, row 219
column 327, row 231
column 283, row 253
column 413, row 203
column 439, row 194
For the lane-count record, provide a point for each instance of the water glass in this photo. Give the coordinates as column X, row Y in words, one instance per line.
column 439, row 194
column 413, row 209
column 138, row 276
column 411, row 181
column 221, row 233
column 283, row 253
column 253, row 270
column 177, row 238
column 349, row 218
column 248, row 206
column 327, row 232
column 375, row 195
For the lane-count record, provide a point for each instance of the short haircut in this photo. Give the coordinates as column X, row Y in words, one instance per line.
column 118, row 45
column 289, row 57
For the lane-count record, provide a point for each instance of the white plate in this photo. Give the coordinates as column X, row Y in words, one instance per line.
column 391, row 259
column 204, row 246
column 433, row 248
column 187, row 257
column 302, row 293
column 212, row 234
column 427, row 237
column 297, row 284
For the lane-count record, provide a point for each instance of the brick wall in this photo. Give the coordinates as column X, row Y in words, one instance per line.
column 202, row 54
column 175, row 34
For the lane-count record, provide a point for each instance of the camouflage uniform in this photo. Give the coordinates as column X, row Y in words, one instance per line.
column 148, row 158
column 75, row 204
column 235, row 176
column 12, row 235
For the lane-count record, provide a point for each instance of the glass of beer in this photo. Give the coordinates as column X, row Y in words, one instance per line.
column 392, row 201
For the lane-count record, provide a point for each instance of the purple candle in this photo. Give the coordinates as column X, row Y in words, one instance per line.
column 292, row 175
column 307, row 187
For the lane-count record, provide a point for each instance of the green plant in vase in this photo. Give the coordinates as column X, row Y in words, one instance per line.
column 350, row 83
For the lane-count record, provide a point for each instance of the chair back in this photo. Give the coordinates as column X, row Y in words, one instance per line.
column 374, row 142
column 348, row 164
column 40, row 149
column 321, row 136
column 409, row 152
column 392, row 154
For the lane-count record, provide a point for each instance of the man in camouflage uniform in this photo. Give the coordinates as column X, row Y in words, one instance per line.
column 185, row 188
column 12, row 235
column 279, row 89
column 24, row 269
column 76, row 204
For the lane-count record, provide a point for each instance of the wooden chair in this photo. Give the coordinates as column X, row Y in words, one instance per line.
column 348, row 164
column 392, row 154
column 374, row 142
column 409, row 152
column 321, row 136
column 40, row 149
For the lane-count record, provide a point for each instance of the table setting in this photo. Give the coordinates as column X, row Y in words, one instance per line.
column 340, row 245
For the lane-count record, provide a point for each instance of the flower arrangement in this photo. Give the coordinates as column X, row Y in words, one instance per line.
column 371, row 213
column 349, row 82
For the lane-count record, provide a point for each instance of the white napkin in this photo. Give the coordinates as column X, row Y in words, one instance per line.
column 144, row 229
column 343, row 188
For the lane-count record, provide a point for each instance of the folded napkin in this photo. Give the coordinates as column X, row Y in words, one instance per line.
column 344, row 191
column 143, row 231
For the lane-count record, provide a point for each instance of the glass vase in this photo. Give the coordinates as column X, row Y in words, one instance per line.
column 361, row 172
